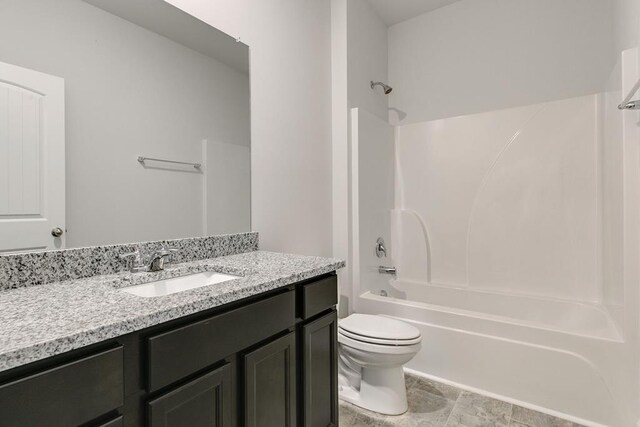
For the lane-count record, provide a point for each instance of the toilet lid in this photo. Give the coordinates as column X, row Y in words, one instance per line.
column 378, row 341
column 378, row 327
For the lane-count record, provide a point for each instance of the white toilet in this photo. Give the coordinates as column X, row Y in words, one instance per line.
column 373, row 350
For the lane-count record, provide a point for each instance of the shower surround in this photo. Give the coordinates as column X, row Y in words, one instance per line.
column 515, row 237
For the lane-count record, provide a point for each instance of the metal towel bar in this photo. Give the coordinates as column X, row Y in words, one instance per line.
column 628, row 104
column 142, row 159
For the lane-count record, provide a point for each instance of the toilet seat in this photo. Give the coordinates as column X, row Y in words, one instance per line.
column 378, row 348
column 379, row 341
column 379, row 329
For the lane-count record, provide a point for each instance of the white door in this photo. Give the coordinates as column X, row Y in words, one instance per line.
column 32, row 167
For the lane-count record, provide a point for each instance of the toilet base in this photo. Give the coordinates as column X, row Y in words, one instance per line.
column 381, row 390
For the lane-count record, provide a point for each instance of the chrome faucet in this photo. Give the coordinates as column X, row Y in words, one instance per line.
column 386, row 270
column 157, row 259
column 151, row 262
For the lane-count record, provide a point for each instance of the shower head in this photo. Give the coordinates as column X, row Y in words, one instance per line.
column 387, row 88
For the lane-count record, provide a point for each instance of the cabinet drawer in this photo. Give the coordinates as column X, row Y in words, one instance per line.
column 318, row 296
column 70, row 394
column 180, row 352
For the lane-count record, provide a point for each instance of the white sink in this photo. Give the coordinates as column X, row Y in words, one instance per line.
column 178, row 284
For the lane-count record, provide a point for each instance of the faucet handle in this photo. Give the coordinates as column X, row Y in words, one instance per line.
column 159, row 257
column 167, row 250
column 135, row 254
column 169, row 253
column 137, row 259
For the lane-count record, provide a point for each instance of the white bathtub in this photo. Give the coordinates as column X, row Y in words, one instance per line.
column 527, row 350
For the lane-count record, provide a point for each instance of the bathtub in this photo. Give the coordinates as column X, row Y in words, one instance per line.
column 555, row 356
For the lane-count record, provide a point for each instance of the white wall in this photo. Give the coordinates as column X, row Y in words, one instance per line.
column 373, row 197
column 124, row 98
column 367, row 56
column 341, row 185
column 291, row 179
column 475, row 56
column 358, row 55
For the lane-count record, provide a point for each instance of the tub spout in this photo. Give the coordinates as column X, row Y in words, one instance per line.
column 386, row 270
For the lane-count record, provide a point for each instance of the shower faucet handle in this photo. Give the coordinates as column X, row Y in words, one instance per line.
column 381, row 250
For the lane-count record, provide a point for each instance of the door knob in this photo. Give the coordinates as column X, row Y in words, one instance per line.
column 57, row 232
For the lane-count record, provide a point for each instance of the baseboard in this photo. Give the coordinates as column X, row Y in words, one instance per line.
column 508, row 399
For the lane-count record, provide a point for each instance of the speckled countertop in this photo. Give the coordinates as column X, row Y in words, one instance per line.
column 41, row 321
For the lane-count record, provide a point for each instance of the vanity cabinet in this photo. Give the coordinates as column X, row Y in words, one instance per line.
column 267, row 360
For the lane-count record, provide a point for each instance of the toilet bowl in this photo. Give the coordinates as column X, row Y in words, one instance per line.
column 373, row 350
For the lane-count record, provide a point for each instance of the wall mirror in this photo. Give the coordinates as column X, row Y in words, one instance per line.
column 120, row 121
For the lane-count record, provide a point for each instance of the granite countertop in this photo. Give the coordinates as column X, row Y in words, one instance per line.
column 37, row 322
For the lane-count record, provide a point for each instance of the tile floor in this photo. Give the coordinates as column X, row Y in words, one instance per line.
column 436, row 404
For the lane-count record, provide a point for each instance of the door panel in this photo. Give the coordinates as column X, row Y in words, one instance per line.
column 32, row 162
column 270, row 384
column 19, row 145
column 320, row 359
column 204, row 402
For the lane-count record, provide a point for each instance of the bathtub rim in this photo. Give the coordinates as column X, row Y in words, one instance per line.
column 617, row 337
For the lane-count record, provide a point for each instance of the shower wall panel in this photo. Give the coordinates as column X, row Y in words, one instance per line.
column 507, row 200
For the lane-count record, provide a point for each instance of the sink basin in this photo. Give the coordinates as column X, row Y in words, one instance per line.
column 178, row 284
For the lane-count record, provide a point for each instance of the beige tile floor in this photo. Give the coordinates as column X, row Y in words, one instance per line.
column 436, row 404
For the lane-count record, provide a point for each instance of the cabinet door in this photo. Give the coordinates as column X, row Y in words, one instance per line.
column 320, row 367
column 205, row 401
column 270, row 384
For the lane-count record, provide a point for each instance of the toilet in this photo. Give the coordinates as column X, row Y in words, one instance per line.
column 373, row 351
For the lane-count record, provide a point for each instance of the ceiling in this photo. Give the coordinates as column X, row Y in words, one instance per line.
column 394, row 11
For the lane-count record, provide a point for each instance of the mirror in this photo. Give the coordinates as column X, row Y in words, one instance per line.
column 120, row 121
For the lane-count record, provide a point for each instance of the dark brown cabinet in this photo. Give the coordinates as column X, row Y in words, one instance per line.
column 320, row 371
column 69, row 394
column 270, row 384
column 204, row 402
column 266, row 361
